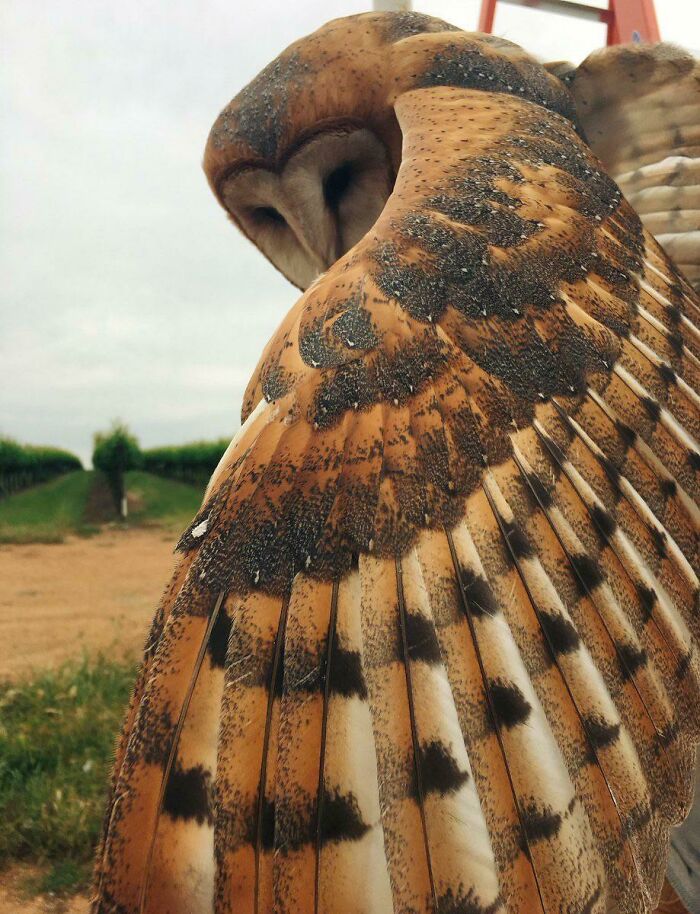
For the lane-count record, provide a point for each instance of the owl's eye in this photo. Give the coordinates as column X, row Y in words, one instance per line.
column 268, row 214
column 336, row 184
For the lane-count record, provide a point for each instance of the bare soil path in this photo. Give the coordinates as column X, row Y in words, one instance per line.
column 13, row 898
column 95, row 594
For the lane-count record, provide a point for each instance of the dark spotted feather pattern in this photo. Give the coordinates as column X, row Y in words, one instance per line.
column 432, row 645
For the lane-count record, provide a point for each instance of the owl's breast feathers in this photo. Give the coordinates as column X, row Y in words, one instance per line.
column 432, row 644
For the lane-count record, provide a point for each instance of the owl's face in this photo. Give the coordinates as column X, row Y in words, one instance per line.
column 307, row 213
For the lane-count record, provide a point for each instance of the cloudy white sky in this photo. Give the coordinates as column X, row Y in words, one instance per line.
column 125, row 292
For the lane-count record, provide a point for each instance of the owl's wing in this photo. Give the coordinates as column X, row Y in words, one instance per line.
column 640, row 108
column 432, row 643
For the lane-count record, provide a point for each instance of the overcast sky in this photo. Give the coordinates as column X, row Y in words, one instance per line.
column 125, row 293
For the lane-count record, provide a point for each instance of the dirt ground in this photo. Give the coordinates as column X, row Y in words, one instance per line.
column 88, row 594
column 13, row 899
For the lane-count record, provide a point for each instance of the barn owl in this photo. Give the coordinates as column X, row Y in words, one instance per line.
column 430, row 646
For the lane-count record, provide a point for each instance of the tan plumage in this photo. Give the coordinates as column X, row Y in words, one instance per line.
column 432, row 643
column 640, row 108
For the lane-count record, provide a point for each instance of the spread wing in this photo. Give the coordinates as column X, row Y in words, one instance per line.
column 640, row 107
column 431, row 646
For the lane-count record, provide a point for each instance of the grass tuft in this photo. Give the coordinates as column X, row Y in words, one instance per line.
column 153, row 499
column 57, row 736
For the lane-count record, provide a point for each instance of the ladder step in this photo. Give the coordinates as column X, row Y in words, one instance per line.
column 566, row 8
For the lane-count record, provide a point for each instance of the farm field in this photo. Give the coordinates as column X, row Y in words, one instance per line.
column 45, row 513
column 79, row 591
column 90, row 598
column 80, row 503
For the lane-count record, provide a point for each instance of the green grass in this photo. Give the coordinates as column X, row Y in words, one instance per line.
column 57, row 733
column 79, row 502
column 45, row 513
column 163, row 501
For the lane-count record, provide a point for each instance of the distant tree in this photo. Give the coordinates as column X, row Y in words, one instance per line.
column 192, row 463
column 23, row 465
column 115, row 452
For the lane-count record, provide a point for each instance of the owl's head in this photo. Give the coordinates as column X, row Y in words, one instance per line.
column 304, row 157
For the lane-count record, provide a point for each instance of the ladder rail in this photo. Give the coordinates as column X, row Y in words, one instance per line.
column 633, row 22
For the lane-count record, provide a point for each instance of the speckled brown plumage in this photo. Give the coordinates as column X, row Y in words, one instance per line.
column 432, row 643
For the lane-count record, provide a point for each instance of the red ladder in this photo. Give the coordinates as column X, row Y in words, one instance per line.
column 627, row 20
